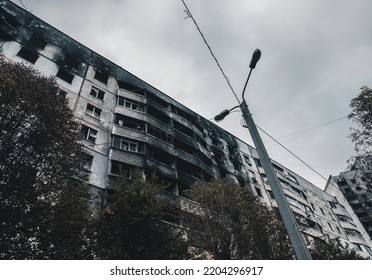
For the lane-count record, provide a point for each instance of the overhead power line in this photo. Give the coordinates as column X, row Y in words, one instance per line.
column 189, row 15
column 285, row 148
column 306, row 130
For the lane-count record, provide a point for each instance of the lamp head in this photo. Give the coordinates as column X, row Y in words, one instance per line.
column 221, row 115
column 255, row 58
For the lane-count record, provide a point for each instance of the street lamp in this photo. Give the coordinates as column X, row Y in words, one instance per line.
column 288, row 218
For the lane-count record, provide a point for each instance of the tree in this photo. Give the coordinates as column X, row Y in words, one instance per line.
column 140, row 222
column 43, row 205
column 229, row 223
column 332, row 250
column 361, row 115
column 361, row 134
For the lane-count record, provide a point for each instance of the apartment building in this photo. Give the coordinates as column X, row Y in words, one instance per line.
column 127, row 124
column 351, row 187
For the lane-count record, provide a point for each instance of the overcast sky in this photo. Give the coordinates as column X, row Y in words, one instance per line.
column 316, row 54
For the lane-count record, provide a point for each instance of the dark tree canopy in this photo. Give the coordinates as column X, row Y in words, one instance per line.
column 231, row 224
column 42, row 204
column 361, row 116
column 140, row 222
column 361, row 135
column 332, row 250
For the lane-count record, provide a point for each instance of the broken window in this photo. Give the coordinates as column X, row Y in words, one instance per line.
column 159, row 155
column 130, row 104
column 71, row 62
column 184, row 146
column 62, row 93
column 88, row 162
column 184, row 129
column 28, row 55
column 157, row 99
column 65, row 76
column 158, row 114
column 130, row 87
column 160, row 134
column 96, row 92
column 129, row 122
column 101, row 76
column 89, row 133
column 93, row 111
column 126, row 144
column 189, row 168
column 37, row 42
column 119, row 168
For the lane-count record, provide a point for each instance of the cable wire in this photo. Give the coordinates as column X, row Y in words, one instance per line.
column 302, row 132
column 292, row 153
column 189, row 15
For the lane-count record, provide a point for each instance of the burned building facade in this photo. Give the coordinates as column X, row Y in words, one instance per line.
column 128, row 124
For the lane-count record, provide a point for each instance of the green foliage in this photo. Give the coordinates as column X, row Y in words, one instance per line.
column 229, row 223
column 43, row 210
column 361, row 133
column 361, row 115
column 332, row 250
column 139, row 222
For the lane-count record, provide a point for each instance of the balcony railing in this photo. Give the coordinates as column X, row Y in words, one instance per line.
column 131, row 95
column 128, row 157
column 161, row 168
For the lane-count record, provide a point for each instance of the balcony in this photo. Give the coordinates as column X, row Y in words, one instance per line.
column 132, row 96
column 129, row 133
column 161, row 168
column 159, row 107
column 128, row 157
column 130, row 113
column 186, row 178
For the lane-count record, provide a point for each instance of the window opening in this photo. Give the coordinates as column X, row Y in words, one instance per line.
column 93, row 111
column 37, row 42
column 88, row 162
column 88, row 133
column 125, row 144
column 130, row 104
column 71, row 62
column 101, row 76
column 64, row 75
column 62, row 93
column 28, row 55
column 96, row 92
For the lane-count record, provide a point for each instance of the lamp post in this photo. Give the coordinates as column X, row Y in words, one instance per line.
column 288, row 218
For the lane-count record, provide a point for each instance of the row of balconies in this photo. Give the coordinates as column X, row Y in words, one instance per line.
column 142, row 161
column 166, row 147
